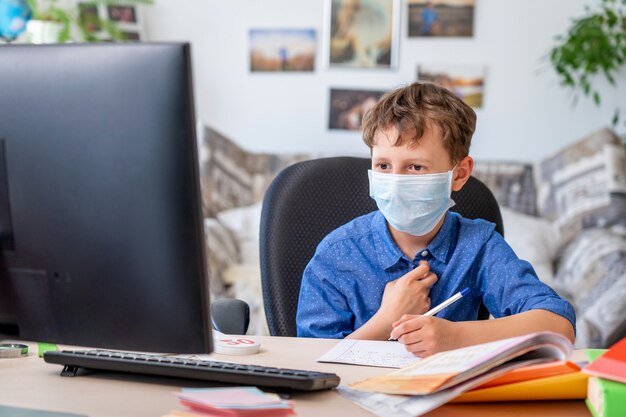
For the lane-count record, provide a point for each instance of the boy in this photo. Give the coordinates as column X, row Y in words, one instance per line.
column 373, row 277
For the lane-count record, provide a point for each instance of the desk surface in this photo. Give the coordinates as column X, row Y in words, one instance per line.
column 31, row 383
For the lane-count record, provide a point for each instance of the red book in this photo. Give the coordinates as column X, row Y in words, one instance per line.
column 610, row 365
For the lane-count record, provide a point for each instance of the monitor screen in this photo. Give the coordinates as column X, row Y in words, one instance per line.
column 101, row 234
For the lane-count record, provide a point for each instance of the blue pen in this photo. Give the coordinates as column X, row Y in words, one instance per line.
column 445, row 304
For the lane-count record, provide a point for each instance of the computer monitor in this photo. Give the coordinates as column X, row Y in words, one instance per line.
column 101, row 229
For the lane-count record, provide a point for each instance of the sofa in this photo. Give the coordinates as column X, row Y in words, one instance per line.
column 566, row 215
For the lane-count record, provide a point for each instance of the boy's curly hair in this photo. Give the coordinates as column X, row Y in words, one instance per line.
column 419, row 106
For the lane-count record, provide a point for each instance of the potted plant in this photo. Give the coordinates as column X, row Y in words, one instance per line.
column 51, row 22
column 594, row 46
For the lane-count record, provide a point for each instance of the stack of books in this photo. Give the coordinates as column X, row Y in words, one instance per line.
column 606, row 395
column 533, row 366
column 231, row 402
column 525, row 368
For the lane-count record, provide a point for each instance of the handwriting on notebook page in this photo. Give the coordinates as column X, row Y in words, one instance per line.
column 382, row 354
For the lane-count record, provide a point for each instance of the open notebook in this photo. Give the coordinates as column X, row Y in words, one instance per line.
column 451, row 368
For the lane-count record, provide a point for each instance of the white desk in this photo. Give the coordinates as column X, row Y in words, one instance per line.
column 31, row 383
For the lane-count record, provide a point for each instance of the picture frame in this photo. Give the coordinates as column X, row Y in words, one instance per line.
column 282, row 50
column 466, row 81
column 347, row 106
column 440, row 18
column 123, row 13
column 362, row 34
column 126, row 17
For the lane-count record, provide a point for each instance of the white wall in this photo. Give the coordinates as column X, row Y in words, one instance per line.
column 526, row 115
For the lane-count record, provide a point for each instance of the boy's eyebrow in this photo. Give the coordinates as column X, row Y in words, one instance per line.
column 418, row 160
column 411, row 160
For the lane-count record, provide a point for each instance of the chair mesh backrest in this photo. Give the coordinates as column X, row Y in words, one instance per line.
column 308, row 200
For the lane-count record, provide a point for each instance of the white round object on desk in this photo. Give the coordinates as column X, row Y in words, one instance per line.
column 13, row 350
column 234, row 345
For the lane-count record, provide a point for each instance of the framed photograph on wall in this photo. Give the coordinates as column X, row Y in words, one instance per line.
column 466, row 81
column 362, row 33
column 128, row 19
column 347, row 107
column 441, row 18
column 108, row 22
column 282, row 50
column 122, row 13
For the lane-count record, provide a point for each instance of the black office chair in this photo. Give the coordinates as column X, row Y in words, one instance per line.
column 308, row 200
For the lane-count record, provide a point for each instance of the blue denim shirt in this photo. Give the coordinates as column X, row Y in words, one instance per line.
column 343, row 284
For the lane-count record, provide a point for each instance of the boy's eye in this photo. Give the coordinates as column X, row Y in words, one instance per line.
column 383, row 166
column 414, row 167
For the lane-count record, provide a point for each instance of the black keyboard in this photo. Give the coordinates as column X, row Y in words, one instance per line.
column 171, row 366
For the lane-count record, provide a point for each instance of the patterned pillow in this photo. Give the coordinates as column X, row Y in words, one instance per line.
column 533, row 239
column 512, row 184
column 584, row 185
column 592, row 276
column 233, row 177
column 222, row 251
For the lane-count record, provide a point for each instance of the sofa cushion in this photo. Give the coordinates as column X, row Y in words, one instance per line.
column 592, row 275
column 584, row 185
column 232, row 176
column 244, row 223
column 533, row 239
column 512, row 183
column 222, row 251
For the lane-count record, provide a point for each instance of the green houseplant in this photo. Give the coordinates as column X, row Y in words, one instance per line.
column 594, row 46
column 51, row 20
column 65, row 16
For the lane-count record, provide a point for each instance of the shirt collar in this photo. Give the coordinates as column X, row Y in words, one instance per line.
column 389, row 254
column 441, row 243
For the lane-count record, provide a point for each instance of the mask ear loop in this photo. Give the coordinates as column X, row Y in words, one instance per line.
column 452, row 170
column 451, row 174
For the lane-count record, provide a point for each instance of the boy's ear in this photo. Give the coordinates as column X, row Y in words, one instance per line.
column 462, row 173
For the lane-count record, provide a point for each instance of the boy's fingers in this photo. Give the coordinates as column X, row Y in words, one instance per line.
column 420, row 272
column 429, row 280
column 402, row 319
column 411, row 325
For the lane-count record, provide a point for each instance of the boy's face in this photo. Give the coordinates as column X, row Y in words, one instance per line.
column 428, row 156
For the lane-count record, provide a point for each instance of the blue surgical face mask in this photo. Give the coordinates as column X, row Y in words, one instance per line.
column 412, row 203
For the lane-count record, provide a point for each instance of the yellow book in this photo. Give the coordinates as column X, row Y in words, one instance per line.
column 572, row 386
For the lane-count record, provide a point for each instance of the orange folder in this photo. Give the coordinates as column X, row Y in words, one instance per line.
column 552, row 381
column 526, row 373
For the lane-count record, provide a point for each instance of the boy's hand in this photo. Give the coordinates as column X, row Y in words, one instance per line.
column 408, row 294
column 426, row 335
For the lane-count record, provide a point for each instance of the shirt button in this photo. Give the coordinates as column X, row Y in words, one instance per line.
column 424, row 253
